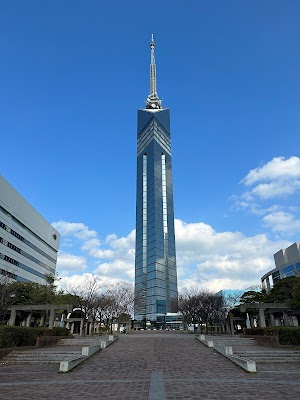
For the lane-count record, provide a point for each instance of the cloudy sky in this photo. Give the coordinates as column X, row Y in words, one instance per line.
column 73, row 74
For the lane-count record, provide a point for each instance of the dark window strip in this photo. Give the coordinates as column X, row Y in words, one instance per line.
column 20, row 265
column 25, row 227
column 23, row 253
column 7, row 273
column 23, row 240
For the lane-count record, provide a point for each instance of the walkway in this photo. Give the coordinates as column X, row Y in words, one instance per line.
column 152, row 366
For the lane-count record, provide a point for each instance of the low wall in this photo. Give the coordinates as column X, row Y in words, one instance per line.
column 43, row 341
column 4, row 352
column 226, row 351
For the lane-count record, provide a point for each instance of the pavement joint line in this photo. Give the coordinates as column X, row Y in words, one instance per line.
column 89, row 381
column 279, row 372
column 157, row 386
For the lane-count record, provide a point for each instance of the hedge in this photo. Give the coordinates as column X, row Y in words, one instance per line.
column 287, row 335
column 13, row 336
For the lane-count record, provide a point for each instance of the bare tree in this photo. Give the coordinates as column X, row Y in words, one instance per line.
column 87, row 296
column 188, row 304
column 121, row 301
column 102, row 302
column 198, row 306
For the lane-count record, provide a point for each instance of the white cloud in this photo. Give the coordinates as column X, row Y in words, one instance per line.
column 67, row 263
column 76, row 229
column 280, row 179
column 98, row 253
column 67, row 283
column 117, row 269
column 208, row 259
column 122, row 243
column 282, row 222
column 278, row 188
column 223, row 259
column 278, row 168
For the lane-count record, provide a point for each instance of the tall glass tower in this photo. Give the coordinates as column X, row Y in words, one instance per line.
column 155, row 257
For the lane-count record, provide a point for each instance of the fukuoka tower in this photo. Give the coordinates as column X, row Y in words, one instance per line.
column 155, row 257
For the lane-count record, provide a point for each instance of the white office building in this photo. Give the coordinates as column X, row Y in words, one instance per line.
column 28, row 243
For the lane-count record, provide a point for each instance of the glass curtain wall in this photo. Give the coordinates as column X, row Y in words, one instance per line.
column 155, row 265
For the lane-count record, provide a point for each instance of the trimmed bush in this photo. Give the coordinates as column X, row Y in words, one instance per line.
column 261, row 332
column 13, row 336
column 287, row 335
column 52, row 332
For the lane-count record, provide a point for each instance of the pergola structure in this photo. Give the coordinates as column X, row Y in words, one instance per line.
column 50, row 315
column 272, row 314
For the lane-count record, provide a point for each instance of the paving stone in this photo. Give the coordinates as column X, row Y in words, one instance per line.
column 144, row 364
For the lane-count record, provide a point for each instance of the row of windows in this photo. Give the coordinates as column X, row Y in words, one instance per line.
column 170, row 272
column 153, row 224
column 140, row 279
column 154, row 210
column 20, row 265
column 25, row 241
column 159, row 257
column 156, row 275
column 11, row 275
column 172, row 279
column 158, row 252
column 154, row 180
column 156, row 241
column 154, row 296
column 139, row 286
column 173, row 294
column 151, row 268
column 153, row 154
column 8, row 274
column 154, row 190
column 289, row 270
column 170, row 261
column 153, row 244
column 154, row 177
column 154, row 167
column 158, row 283
column 150, row 256
column 23, row 253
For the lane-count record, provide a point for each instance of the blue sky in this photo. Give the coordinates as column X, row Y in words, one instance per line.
column 72, row 75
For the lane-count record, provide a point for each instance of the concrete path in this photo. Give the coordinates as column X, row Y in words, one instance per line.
column 152, row 365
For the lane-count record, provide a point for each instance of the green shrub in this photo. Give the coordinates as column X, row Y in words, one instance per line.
column 13, row 336
column 287, row 335
column 260, row 331
column 42, row 331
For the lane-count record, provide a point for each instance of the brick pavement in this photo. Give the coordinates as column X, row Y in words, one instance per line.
column 152, row 366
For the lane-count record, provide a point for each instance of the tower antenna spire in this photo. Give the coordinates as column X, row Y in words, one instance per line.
column 153, row 101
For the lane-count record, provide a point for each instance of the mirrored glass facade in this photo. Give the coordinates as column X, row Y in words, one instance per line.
column 155, row 259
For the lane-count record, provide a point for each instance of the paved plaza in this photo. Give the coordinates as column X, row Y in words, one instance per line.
column 155, row 366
